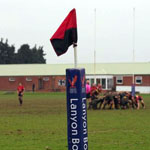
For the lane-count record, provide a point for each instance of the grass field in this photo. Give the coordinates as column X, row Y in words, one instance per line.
column 41, row 122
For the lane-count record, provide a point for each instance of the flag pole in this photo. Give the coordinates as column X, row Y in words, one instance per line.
column 95, row 48
column 75, row 55
column 133, row 57
column 133, row 39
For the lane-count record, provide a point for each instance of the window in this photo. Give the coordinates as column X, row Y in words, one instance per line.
column 28, row 79
column 98, row 81
column 119, row 80
column 91, row 81
column 45, row 78
column 103, row 83
column 12, row 79
column 138, row 79
column 109, row 83
column 61, row 82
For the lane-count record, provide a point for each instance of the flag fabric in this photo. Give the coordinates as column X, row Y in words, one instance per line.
column 66, row 34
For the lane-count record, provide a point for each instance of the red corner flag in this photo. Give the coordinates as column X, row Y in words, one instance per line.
column 66, row 34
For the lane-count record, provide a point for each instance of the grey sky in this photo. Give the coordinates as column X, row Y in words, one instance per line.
column 35, row 21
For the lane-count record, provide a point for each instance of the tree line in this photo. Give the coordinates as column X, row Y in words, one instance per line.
column 24, row 55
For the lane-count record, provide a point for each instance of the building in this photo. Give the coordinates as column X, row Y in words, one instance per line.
column 51, row 77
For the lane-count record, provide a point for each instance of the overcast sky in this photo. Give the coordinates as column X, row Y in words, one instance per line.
column 35, row 21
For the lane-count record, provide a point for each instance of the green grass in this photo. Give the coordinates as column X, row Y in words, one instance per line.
column 41, row 122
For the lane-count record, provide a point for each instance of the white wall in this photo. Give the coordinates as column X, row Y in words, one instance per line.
column 141, row 89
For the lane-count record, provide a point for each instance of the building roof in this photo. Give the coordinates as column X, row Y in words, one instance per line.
column 59, row 69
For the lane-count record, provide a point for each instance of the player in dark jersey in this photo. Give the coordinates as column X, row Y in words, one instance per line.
column 116, row 98
column 108, row 100
column 131, row 100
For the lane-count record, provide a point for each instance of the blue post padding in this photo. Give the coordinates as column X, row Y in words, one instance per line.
column 76, row 109
column 133, row 90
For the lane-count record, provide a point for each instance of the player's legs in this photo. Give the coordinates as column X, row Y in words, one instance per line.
column 20, row 100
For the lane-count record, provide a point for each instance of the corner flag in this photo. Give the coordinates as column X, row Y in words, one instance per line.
column 66, row 34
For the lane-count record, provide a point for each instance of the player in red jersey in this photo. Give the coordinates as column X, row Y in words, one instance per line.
column 139, row 100
column 20, row 92
column 99, row 88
